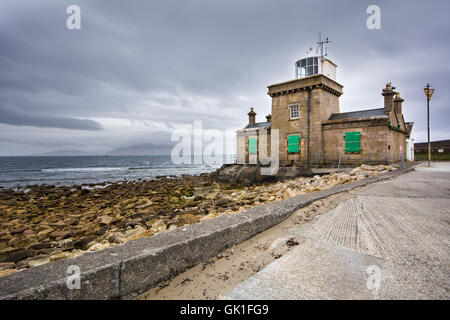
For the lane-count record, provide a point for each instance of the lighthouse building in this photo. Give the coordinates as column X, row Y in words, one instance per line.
column 311, row 130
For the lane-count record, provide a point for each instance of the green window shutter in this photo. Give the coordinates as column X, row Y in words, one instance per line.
column 293, row 143
column 253, row 145
column 353, row 142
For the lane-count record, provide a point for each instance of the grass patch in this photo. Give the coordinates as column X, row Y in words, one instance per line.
column 434, row 157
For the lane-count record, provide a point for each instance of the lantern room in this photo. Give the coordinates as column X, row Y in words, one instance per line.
column 315, row 65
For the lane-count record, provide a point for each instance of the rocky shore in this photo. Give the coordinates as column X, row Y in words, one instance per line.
column 45, row 223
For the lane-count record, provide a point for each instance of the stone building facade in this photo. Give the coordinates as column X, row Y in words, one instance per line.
column 312, row 131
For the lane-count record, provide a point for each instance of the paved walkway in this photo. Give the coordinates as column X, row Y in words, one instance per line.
column 392, row 241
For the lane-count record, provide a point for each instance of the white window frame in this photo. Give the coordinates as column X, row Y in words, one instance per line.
column 302, row 71
column 290, row 111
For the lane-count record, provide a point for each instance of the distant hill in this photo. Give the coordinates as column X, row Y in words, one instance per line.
column 64, row 153
column 142, row 150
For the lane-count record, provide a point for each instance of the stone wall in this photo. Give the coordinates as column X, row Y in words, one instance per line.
column 379, row 143
column 243, row 156
column 373, row 141
column 396, row 141
column 324, row 101
column 241, row 147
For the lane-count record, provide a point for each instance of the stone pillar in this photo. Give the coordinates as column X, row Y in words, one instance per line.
column 388, row 94
column 398, row 103
column 251, row 116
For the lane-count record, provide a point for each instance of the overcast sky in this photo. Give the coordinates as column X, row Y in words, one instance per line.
column 138, row 69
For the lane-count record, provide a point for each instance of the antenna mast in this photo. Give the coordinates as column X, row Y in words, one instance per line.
column 320, row 45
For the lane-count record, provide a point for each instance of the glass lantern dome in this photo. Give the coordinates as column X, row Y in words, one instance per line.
column 315, row 65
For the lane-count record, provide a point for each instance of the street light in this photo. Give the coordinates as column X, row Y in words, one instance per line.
column 428, row 92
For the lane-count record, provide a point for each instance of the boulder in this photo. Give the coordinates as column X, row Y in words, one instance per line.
column 20, row 255
column 29, row 233
column 102, row 230
column 117, row 238
column 344, row 178
column 99, row 246
column 105, row 220
column 6, row 265
column 60, row 234
column 8, row 250
column 211, row 215
column 59, row 224
column 187, row 219
column 70, row 222
column 145, row 205
column 38, row 261
column 289, row 193
column 7, row 272
column 83, row 242
column 20, row 242
column 43, row 245
column 356, row 170
column 66, row 244
column 135, row 231
column 158, row 226
column 18, row 230
column 59, row 256
column 222, row 202
column 146, row 233
column 44, row 234
column 367, row 167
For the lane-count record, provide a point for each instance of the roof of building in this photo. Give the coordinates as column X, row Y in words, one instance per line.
column 358, row 114
column 434, row 144
column 258, row 125
column 409, row 126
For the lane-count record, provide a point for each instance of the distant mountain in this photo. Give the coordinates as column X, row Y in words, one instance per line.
column 142, row 150
column 63, row 153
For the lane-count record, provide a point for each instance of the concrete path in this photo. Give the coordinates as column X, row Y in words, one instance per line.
column 392, row 241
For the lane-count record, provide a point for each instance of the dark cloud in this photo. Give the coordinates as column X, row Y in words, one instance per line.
column 47, row 121
column 138, row 69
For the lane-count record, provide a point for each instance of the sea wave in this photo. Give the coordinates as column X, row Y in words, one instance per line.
column 95, row 169
column 21, row 170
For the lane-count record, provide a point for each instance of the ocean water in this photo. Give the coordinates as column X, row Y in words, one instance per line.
column 70, row 170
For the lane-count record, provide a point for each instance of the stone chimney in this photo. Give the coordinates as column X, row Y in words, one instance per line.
column 251, row 116
column 398, row 103
column 269, row 118
column 388, row 94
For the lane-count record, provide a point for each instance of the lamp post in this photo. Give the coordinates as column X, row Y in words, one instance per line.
column 428, row 92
